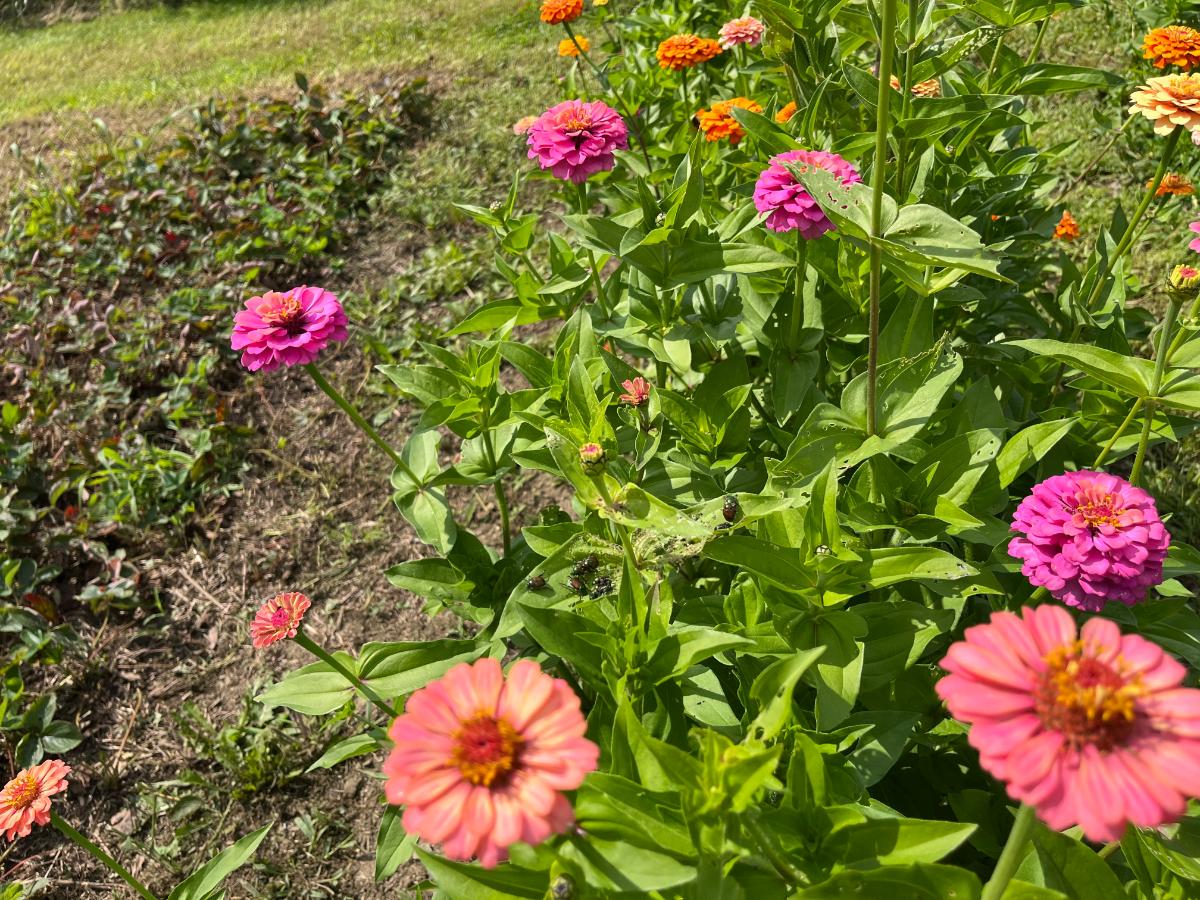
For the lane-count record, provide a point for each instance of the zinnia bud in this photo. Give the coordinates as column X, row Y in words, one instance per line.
column 592, row 458
column 1185, row 281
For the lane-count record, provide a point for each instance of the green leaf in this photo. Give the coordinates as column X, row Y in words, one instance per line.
column 398, row 668
column 895, row 841
column 686, row 645
column 348, row 748
column 915, row 882
column 1129, row 374
column 469, row 881
column 1025, row 448
column 393, row 847
column 892, row 565
column 925, row 235
column 1046, row 78
column 1062, row 863
column 559, row 632
column 315, row 689
column 772, row 691
column 880, row 748
column 209, row 876
column 616, row 808
column 619, row 866
column 777, row 565
column 430, row 516
column 434, row 578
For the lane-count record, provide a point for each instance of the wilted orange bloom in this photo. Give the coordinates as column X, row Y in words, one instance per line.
column 995, row 218
column 1168, row 101
column 568, row 47
column 1175, row 45
column 718, row 122
column 1067, row 228
column 682, row 51
column 930, row 88
column 1173, row 184
column 785, row 114
column 555, row 12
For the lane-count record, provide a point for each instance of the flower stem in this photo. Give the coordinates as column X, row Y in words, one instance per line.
column 887, row 31
column 355, row 682
column 1137, row 404
column 113, row 866
column 357, row 418
column 1182, row 333
column 601, row 296
column 786, row 870
column 1010, row 856
column 797, row 316
column 501, row 499
column 1037, row 42
column 1160, row 365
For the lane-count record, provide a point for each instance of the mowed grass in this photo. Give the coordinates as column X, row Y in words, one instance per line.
column 160, row 59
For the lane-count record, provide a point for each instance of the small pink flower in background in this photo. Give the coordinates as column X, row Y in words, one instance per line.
column 1090, row 537
column 481, row 759
column 1195, row 244
column 747, row 30
column 523, row 124
column 288, row 329
column 637, row 391
column 278, row 618
column 576, row 139
column 25, row 801
column 789, row 205
column 1090, row 727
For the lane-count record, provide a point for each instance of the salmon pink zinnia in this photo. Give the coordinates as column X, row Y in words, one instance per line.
column 278, row 618
column 481, row 760
column 1090, row 537
column 576, row 139
column 785, row 201
column 746, row 30
column 289, row 328
column 1089, row 727
column 25, row 801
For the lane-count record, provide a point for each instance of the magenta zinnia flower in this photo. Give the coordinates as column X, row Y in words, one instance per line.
column 747, row 30
column 1195, row 226
column 278, row 618
column 577, row 139
column 481, row 760
column 1090, row 537
column 1090, row 728
column 789, row 205
column 290, row 328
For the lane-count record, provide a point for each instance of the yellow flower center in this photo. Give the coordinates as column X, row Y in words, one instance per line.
column 279, row 309
column 1184, row 87
column 1099, row 511
column 486, row 749
column 22, row 791
column 1086, row 700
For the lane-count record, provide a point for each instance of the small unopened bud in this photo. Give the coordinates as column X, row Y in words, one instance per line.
column 592, row 458
column 563, row 887
column 1185, row 280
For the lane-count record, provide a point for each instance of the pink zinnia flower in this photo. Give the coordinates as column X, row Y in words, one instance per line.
column 290, row 328
column 577, row 139
column 278, row 618
column 25, row 801
column 1090, row 537
column 481, row 760
column 1089, row 728
column 637, row 391
column 790, row 206
column 747, row 30
column 1195, row 244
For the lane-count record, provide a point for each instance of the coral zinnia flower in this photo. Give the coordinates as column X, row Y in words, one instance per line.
column 481, row 760
column 1067, row 228
column 717, row 121
column 789, row 205
column 682, row 51
column 555, row 12
column 1089, row 728
column 1175, row 45
column 568, row 47
column 577, row 139
column 1090, row 537
column 523, row 124
column 278, row 618
column 25, row 801
column 785, row 114
column 1174, row 184
column 288, row 329
column 1168, row 101
column 747, row 30
column 637, row 391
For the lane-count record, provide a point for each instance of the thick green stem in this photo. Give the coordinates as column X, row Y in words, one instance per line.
column 1181, row 335
column 1037, row 42
column 501, row 500
column 797, row 315
column 357, row 418
column 354, row 681
column 887, row 31
column 641, row 610
column 1010, row 857
column 601, row 296
column 1160, row 366
column 786, row 870
column 1137, row 404
column 113, row 866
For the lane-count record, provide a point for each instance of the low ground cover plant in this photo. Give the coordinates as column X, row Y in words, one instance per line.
column 859, row 590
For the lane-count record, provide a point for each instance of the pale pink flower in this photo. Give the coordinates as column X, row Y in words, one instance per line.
column 278, row 618
column 789, row 205
column 1090, row 728
column 481, row 760
column 25, row 801
column 747, row 30
column 287, row 329
column 523, row 124
column 1090, row 537
column 637, row 391
column 576, row 139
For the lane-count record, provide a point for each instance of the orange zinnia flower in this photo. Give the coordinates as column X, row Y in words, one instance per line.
column 568, row 47
column 1168, row 101
column 25, row 801
column 1174, row 184
column 785, row 115
column 555, row 12
column 682, row 51
column 930, row 88
column 718, row 122
column 1067, row 228
column 1175, row 45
